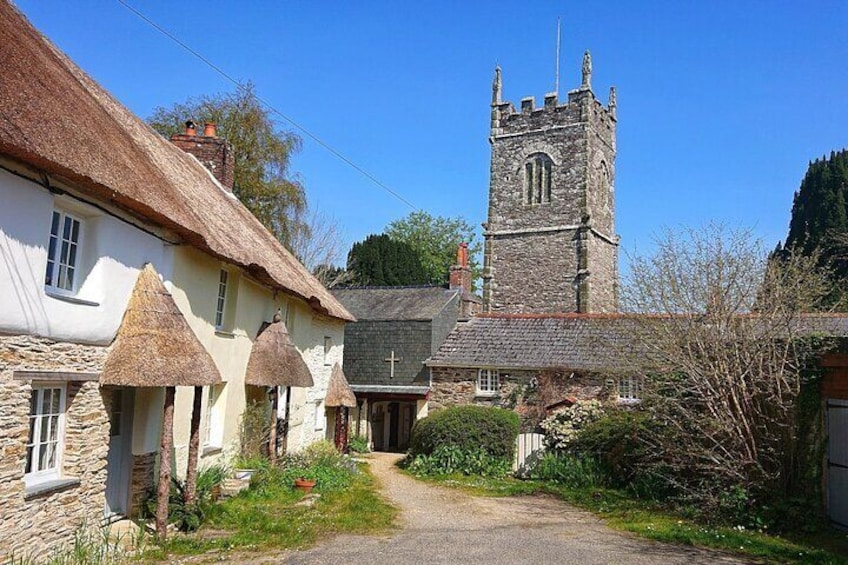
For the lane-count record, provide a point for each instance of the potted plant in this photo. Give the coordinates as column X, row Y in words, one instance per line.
column 304, row 484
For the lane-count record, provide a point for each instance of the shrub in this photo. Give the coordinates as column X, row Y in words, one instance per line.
column 359, row 444
column 449, row 459
column 188, row 517
column 255, row 430
column 562, row 428
column 319, row 461
column 467, row 428
column 569, row 470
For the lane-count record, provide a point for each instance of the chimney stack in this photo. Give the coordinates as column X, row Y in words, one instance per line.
column 215, row 153
column 460, row 274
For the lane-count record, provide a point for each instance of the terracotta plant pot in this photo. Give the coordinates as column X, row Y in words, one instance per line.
column 306, row 485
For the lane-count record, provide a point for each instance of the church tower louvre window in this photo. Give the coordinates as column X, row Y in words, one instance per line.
column 537, row 179
column 550, row 242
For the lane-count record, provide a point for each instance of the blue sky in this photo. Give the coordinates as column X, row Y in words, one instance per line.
column 720, row 104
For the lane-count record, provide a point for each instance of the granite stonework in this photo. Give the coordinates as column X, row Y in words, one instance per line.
column 560, row 254
column 142, row 481
column 34, row 524
column 533, row 395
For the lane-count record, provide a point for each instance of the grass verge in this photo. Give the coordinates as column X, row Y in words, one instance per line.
column 269, row 518
column 648, row 520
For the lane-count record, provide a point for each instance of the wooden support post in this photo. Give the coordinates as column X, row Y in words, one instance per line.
column 165, row 447
column 194, row 446
column 272, row 438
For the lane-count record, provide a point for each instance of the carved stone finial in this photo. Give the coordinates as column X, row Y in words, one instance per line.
column 497, row 86
column 612, row 101
column 587, row 69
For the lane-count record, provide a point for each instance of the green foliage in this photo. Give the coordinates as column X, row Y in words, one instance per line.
column 359, row 444
column 382, row 261
column 435, row 240
column 819, row 221
column 319, row 461
column 91, row 546
column 467, row 428
column 254, row 431
column 570, row 470
column 262, row 152
column 450, row 459
column 188, row 517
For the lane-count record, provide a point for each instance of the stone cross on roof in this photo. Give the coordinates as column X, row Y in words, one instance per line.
column 391, row 359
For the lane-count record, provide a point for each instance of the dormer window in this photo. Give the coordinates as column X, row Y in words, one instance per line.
column 537, row 179
column 63, row 252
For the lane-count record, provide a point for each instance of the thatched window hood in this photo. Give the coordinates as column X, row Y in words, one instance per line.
column 339, row 392
column 155, row 347
column 275, row 361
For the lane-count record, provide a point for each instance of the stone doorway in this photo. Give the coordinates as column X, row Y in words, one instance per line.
column 119, row 458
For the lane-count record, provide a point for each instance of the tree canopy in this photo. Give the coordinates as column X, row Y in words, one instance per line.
column 435, row 240
column 262, row 151
column 819, row 221
column 382, row 261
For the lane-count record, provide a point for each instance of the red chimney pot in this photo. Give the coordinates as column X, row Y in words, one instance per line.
column 209, row 130
column 191, row 129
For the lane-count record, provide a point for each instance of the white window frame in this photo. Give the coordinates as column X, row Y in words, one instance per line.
column 629, row 389
column 52, row 277
column 213, row 432
column 488, row 382
column 36, row 422
column 221, row 299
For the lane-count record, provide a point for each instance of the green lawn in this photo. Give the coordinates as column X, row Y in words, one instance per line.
column 620, row 511
column 265, row 519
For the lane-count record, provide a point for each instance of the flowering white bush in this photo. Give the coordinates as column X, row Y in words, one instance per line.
column 563, row 427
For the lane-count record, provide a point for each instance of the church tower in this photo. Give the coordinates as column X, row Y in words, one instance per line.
column 550, row 236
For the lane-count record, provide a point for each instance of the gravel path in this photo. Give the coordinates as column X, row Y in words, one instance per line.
column 442, row 525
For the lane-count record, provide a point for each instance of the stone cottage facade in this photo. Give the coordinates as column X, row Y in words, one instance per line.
column 550, row 242
column 90, row 196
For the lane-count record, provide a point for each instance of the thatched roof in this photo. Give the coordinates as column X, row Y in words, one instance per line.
column 55, row 118
column 155, row 346
column 275, row 361
column 339, row 392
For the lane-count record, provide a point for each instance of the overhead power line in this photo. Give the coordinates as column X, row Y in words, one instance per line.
column 268, row 105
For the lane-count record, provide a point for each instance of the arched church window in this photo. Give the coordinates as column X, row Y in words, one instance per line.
column 537, row 179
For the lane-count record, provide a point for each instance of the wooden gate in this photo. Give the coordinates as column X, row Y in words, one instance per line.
column 528, row 447
column 837, row 461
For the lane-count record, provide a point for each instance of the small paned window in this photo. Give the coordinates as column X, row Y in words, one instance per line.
column 488, row 382
column 629, row 389
column 46, row 422
column 328, row 345
column 222, row 299
column 63, row 252
column 537, row 179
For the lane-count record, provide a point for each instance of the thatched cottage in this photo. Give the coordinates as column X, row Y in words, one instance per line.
column 90, row 196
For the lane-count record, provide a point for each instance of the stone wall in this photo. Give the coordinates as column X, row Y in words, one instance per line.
column 142, row 482
column 34, row 524
column 528, row 393
column 534, row 261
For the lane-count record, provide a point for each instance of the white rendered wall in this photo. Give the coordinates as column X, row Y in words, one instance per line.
column 110, row 256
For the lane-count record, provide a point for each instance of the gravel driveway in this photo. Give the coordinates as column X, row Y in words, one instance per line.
column 441, row 525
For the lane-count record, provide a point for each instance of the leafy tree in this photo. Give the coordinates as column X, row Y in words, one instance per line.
column 435, row 240
column 382, row 261
column 262, row 152
column 819, row 220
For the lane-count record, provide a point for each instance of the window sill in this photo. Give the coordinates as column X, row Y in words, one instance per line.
column 628, row 401
column 487, row 394
column 211, row 450
column 67, row 298
column 49, row 487
column 224, row 333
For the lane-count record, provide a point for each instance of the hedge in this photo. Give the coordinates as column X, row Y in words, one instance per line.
column 467, row 428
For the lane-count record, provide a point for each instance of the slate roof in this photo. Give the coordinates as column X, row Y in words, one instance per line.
column 399, row 303
column 57, row 119
column 578, row 342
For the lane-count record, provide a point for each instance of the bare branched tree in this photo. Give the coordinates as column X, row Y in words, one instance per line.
column 728, row 347
column 318, row 244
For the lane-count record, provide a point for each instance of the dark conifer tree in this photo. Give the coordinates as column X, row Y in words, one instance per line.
column 382, row 261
